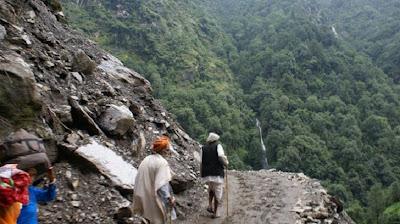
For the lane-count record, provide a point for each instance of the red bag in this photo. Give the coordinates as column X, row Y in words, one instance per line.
column 14, row 185
column 7, row 193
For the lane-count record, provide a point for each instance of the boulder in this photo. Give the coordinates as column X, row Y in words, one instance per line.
column 60, row 17
column 3, row 32
column 120, row 172
column 115, row 69
column 13, row 66
column 108, row 89
column 18, row 86
column 142, row 143
column 30, row 16
column 63, row 112
column 54, row 5
column 116, row 120
column 123, row 212
column 46, row 38
column 7, row 12
column 181, row 183
column 77, row 76
column 139, row 145
column 73, row 138
column 83, row 63
column 23, row 39
column 136, row 109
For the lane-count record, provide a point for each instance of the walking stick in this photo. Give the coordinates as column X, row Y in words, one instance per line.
column 227, row 192
column 170, row 214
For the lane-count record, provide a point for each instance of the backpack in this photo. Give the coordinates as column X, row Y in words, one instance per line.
column 25, row 149
column 20, row 143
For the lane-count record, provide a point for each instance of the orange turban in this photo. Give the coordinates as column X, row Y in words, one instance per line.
column 160, row 144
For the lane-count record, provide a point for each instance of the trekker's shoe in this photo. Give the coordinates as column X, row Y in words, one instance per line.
column 210, row 210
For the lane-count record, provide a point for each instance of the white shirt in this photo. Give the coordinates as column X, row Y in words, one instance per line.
column 220, row 151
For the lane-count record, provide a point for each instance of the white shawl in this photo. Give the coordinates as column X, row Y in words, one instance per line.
column 153, row 173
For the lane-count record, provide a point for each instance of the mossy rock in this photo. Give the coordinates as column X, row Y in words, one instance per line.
column 54, row 5
column 16, row 103
column 83, row 63
column 19, row 103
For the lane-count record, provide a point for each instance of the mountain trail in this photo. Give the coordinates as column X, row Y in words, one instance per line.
column 255, row 197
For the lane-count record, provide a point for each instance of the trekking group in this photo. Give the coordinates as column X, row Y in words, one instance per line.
column 153, row 197
column 24, row 163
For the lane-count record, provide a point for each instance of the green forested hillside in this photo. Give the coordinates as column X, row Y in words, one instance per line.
column 329, row 104
column 328, row 110
column 373, row 27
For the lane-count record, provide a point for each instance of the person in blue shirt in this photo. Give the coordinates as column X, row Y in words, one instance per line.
column 29, row 212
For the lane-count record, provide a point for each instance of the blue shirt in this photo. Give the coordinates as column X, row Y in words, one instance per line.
column 29, row 212
column 164, row 193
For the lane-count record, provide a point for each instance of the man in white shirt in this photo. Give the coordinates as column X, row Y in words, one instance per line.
column 213, row 163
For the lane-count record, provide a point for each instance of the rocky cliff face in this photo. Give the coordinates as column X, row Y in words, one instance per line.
column 98, row 119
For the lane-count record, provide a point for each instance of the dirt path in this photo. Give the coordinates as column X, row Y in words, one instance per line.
column 255, row 197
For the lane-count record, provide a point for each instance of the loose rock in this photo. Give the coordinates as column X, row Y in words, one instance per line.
column 3, row 32
column 116, row 120
column 83, row 63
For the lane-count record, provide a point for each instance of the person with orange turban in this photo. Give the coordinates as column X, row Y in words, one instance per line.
column 153, row 198
column 161, row 144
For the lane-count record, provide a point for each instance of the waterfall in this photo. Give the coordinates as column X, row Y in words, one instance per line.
column 334, row 31
column 264, row 159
